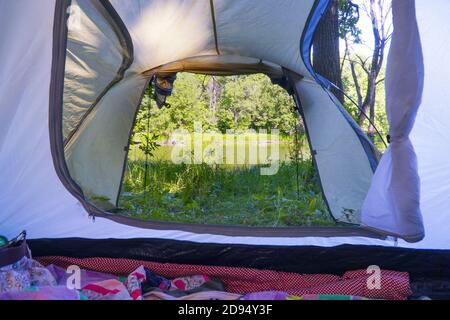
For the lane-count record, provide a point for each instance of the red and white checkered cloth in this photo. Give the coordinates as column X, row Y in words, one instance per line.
column 394, row 285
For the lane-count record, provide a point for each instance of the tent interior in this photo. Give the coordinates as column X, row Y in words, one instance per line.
column 83, row 67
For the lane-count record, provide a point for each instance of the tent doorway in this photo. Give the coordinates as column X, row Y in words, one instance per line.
column 220, row 151
column 228, row 150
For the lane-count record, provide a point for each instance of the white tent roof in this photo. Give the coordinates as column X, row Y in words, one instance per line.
column 167, row 31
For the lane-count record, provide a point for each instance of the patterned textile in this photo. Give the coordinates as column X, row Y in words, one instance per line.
column 43, row 293
column 86, row 277
column 205, row 295
column 276, row 295
column 106, row 290
column 27, row 279
column 182, row 285
column 114, row 289
column 24, row 274
column 188, row 283
column 134, row 281
column 325, row 297
column 394, row 285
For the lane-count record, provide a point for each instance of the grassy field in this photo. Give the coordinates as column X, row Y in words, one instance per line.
column 223, row 194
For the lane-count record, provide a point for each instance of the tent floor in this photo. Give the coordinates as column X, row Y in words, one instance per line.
column 429, row 269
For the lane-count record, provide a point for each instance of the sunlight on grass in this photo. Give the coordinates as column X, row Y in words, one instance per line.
column 224, row 195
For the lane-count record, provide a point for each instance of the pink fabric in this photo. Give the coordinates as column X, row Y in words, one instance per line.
column 394, row 285
column 113, row 289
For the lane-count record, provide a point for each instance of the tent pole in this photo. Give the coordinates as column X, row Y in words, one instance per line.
column 147, row 141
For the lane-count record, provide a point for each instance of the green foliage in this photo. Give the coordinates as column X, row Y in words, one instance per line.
column 246, row 102
column 350, row 32
column 147, row 142
column 348, row 21
column 221, row 195
column 254, row 102
column 188, row 104
column 381, row 121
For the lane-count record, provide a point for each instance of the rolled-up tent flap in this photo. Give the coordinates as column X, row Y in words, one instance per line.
column 393, row 203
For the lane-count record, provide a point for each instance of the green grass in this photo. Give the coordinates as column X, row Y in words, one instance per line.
column 224, row 195
column 165, row 149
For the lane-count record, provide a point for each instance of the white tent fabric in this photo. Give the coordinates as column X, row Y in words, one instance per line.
column 431, row 133
column 345, row 172
column 163, row 31
column 98, row 148
column 393, row 202
column 32, row 196
column 86, row 78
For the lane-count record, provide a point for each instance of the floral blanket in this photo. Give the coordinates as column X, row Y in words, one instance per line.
column 29, row 280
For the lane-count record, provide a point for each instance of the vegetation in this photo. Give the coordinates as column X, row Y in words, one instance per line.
column 359, row 67
column 363, row 74
column 241, row 103
column 157, row 189
column 219, row 195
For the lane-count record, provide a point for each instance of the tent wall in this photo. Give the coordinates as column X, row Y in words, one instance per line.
column 431, row 133
column 220, row 65
column 95, row 58
column 97, row 115
column 96, row 154
column 340, row 158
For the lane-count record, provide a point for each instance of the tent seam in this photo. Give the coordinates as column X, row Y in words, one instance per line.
column 213, row 16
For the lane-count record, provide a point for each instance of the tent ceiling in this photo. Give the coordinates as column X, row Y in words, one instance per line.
column 166, row 31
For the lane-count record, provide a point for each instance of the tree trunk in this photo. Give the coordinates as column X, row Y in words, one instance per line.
column 214, row 96
column 326, row 55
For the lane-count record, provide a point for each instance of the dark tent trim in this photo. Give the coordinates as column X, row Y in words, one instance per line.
column 213, row 17
column 298, row 259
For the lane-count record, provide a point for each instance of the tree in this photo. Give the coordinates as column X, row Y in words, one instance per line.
column 326, row 51
column 214, row 91
column 378, row 11
column 220, row 104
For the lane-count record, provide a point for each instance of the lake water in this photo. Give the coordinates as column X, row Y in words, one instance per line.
column 226, row 150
